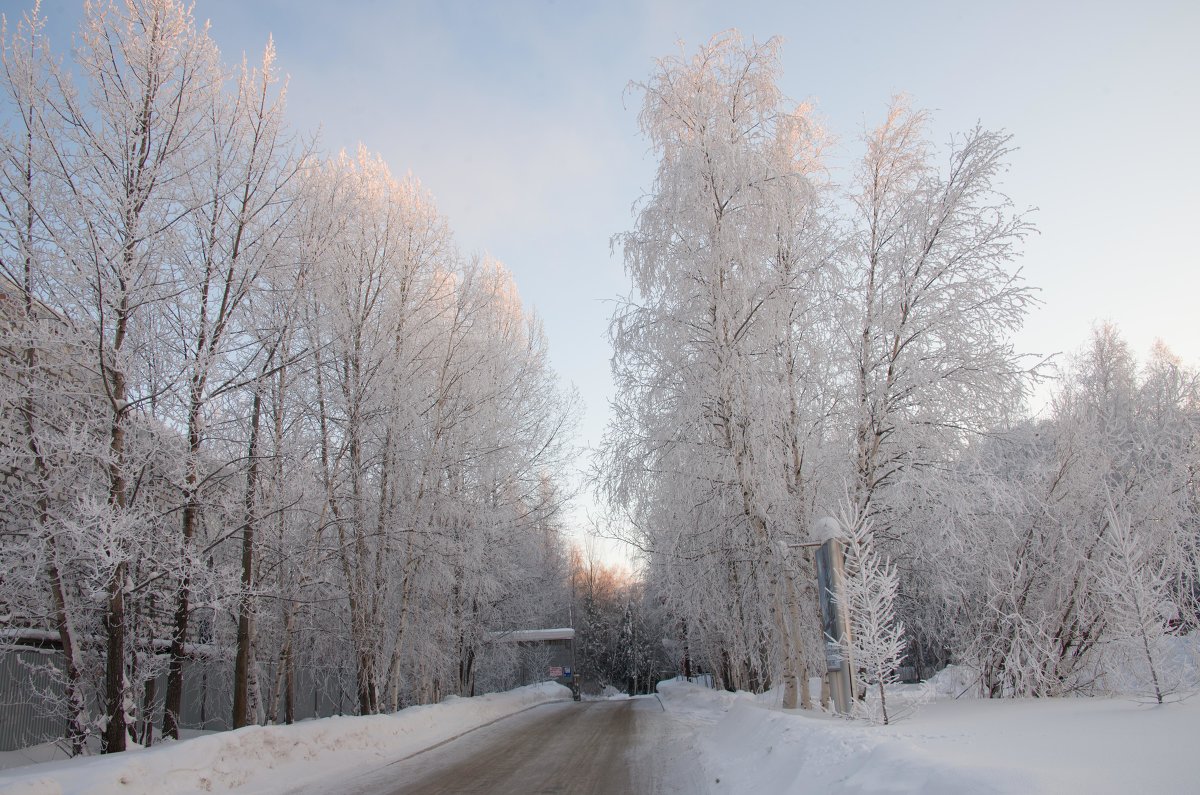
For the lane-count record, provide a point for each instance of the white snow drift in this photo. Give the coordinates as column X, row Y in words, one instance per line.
column 271, row 758
column 1092, row 745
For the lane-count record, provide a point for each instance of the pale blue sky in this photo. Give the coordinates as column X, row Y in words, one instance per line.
column 516, row 117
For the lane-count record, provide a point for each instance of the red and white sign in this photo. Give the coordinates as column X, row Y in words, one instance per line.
column 555, row 671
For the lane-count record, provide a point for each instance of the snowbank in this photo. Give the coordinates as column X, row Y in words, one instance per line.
column 949, row 746
column 270, row 758
column 682, row 697
column 1177, row 659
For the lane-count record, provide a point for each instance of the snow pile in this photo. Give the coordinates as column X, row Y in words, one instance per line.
column 681, row 697
column 1177, row 658
column 978, row 745
column 610, row 692
column 754, row 749
column 272, row 757
column 955, row 681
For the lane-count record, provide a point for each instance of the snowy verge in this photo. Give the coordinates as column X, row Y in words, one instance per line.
column 692, row 700
column 272, row 758
column 1090, row 745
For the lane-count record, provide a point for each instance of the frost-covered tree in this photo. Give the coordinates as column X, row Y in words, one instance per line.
column 773, row 348
column 1029, row 566
column 240, row 197
column 37, row 400
column 258, row 403
column 437, row 421
column 622, row 632
column 710, row 453
column 934, row 297
column 1140, row 602
column 115, row 169
column 877, row 644
column 775, row 351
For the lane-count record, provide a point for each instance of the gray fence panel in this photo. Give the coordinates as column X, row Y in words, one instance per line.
column 23, row 723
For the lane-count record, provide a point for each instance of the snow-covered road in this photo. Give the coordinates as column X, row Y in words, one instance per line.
column 590, row 747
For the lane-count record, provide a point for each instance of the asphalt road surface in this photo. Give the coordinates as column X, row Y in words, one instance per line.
column 592, row 747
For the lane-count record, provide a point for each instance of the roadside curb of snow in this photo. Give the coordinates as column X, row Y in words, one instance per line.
column 744, row 744
column 492, row 722
column 756, row 748
column 278, row 758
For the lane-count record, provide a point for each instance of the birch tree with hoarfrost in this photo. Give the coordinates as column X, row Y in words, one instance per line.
column 257, row 408
column 118, row 164
column 781, row 346
column 712, row 450
column 368, row 293
column 1069, row 548
column 932, row 301
column 238, row 228
column 38, row 404
column 1139, row 593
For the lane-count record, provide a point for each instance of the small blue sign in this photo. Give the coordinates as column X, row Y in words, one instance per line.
column 567, row 671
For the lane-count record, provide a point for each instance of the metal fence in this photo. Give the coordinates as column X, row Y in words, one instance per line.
column 22, row 673
column 322, row 688
column 27, row 687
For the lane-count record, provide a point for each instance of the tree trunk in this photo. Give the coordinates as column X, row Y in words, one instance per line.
column 289, row 692
column 241, row 670
column 149, row 693
column 113, row 739
column 76, row 734
column 191, row 519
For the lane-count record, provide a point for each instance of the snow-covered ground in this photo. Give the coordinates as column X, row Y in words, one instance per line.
column 726, row 743
column 1093, row 745
column 261, row 759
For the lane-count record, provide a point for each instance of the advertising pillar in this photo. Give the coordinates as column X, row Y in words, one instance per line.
column 831, row 576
